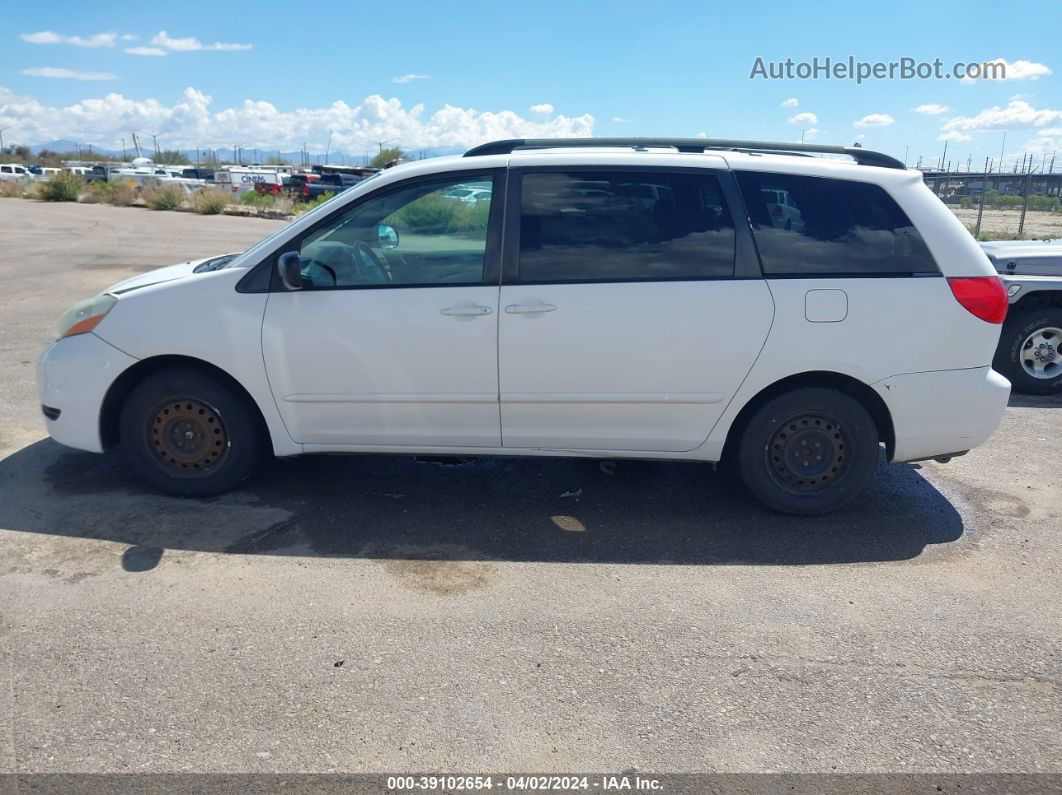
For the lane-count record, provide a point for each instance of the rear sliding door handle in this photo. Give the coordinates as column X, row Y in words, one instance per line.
column 467, row 311
column 529, row 309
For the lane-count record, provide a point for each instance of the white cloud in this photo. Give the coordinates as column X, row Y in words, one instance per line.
column 805, row 118
column 620, row 120
column 875, row 120
column 931, row 109
column 810, row 133
column 1012, row 70
column 792, row 102
column 954, row 136
column 542, row 107
column 860, row 137
column 55, row 71
column 1018, row 114
column 1047, row 142
column 129, row 37
column 702, row 135
column 408, row 78
column 191, row 122
column 50, row 37
column 145, row 50
column 190, row 44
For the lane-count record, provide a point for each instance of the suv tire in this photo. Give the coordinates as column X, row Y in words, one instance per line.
column 1022, row 331
column 189, row 435
column 808, row 451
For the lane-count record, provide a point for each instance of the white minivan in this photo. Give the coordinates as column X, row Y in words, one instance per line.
column 617, row 298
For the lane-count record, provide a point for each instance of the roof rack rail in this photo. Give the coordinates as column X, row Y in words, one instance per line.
column 864, row 157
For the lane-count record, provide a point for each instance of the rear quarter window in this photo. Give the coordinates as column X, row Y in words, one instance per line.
column 816, row 226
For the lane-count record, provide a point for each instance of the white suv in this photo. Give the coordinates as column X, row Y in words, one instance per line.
column 620, row 298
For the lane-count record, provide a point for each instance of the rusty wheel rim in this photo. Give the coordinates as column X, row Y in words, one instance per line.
column 189, row 437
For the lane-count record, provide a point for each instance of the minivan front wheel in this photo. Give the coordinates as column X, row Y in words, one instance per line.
column 808, row 451
column 189, row 435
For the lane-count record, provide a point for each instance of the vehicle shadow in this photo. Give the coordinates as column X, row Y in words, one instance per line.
column 1035, row 401
column 530, row 509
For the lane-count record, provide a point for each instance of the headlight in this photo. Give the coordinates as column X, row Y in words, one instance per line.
column 83, row 317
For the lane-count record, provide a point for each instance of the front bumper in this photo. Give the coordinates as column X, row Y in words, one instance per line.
column 73, row 376
column 943, row 412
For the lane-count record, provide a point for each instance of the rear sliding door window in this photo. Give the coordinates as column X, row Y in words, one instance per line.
column 813, row 226
column 624, row 226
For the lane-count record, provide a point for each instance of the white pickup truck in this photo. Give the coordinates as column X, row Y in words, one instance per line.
column 1030, row 347
column 14, row 172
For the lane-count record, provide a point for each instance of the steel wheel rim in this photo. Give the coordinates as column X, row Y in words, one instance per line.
column 807, row 453
column 1041, row 353
column 188, row 437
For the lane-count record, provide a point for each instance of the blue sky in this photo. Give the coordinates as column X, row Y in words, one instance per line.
column 615, row 68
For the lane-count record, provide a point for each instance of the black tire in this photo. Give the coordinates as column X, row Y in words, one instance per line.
column 808, row 451
column 189, row 435
column 1016, row 330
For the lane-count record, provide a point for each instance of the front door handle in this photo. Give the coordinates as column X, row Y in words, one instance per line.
column 528, row 309
column 467, row 311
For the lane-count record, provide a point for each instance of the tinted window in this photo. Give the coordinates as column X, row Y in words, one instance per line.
column 413, row 235
column 620, row 226
column 815, row 226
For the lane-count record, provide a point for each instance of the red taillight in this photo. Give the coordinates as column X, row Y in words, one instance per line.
column 982, row 296
column 306, row 191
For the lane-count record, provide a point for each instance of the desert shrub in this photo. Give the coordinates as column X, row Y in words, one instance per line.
column 11, row 190
column 210, row 202
column 61, row 188
column 164, row 198
column 117, row 193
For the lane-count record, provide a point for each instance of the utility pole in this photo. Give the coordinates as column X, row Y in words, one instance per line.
column 981, row 204
column 1001, row 148
column 328, row 147
column 10, row 126
column 906, row 149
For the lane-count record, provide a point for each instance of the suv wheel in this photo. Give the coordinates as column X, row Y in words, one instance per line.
column 1030, row 350
column 808, row 451
column 189, row 435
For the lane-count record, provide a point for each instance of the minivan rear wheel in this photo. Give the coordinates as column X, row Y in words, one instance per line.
column 808, row 451
column 189, row 435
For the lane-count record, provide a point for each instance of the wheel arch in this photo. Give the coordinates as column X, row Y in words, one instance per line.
column 846, row 384
column 1036, row 299
column 124, row 384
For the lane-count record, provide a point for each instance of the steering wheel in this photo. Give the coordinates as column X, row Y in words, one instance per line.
column 372, row 264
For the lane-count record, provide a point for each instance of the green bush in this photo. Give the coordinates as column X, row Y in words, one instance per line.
column 61, row 188
column 210, row 202
column 164, row 198
column 307, row 206
column 256, row 199
column 435, row 214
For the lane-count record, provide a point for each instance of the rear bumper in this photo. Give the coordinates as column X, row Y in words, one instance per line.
column 945, row 411
column 73, row 377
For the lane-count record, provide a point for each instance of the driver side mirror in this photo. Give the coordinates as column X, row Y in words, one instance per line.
column 289, row 266
column 387, row 236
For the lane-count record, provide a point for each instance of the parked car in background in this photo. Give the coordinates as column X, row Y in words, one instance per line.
column 14, row 172
column 575, row 318
column 329, row 183
column 42, row 173
column 238, row 180
column 469, row 194
column 1030, row 347
column 783, row 209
